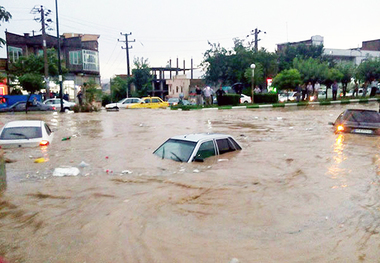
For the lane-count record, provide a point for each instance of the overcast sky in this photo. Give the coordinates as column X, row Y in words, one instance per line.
column 171, row 29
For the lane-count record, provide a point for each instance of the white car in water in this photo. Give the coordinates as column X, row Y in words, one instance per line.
column 25, row 133
column 123, row 104
column 56, row 102
column 196, row 147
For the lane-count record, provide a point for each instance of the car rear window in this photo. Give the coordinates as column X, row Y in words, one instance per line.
column 16, row 133
column 363, row 116
column 224, row 146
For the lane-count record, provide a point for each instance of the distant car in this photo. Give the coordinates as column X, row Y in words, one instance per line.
column 360, row 92
column 173, row 101
column 176, row 101
column 32, row 106
column 287, row 96
column 196, row 147
column 245, row 99
column 358, row 121
column 25, row 133
column 67, row 105
column 123, row 104
column 150, row 103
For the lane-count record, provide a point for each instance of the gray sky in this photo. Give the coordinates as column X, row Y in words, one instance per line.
column 171, row 29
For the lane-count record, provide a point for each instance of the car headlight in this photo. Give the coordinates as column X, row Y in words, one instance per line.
column 340, row 128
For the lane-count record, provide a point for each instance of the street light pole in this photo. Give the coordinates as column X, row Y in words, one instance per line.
column 59, row 59
column 253, row 66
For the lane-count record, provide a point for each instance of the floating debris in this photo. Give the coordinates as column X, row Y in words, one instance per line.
column 40, row 160
column 66, row 171
column 83, row 164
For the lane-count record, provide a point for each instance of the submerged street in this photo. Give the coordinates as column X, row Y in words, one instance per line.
column 297, row 192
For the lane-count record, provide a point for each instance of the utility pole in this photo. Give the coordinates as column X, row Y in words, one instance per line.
column 46, row 68
column 127, row 48
column 256, row 33
column 44, row 24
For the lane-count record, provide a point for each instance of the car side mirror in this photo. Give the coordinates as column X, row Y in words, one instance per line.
column 198, row 159
column 331, row 123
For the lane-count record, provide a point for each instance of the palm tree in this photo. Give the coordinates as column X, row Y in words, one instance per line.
column 4, row 17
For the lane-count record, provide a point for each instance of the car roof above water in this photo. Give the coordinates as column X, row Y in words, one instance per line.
column 195, row 137
column 25, row 123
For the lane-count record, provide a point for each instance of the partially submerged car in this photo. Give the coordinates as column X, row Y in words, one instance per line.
column 196, row 147
column 150, row 103
column 123, row 104
column 25, row 133
column 358, row 121
column 56, row 102
column 32, row 106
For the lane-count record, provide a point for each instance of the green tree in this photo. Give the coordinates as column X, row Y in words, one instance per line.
column 34, row 64
column 141, row 77
column 215, row 64
column 369, row 70
column 267, row 61
column 348, row 70
column 31, row 82
column 91, row 91
column 302, row 51
column 118, row 88
column 311, row 69
column 287, row 80
column 227, row 67
column 4, row 17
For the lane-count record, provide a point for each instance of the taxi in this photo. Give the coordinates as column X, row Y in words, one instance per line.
column 150, row 103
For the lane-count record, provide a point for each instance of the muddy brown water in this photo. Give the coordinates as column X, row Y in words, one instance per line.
column 297, row 192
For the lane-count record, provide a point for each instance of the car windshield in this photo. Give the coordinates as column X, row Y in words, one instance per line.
column 16, row 133
column 177, row 150
column 363, row 116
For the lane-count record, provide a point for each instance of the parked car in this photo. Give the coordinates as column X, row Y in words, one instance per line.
column 26, row 133
column 358, row 121
column 245, row 99
column 56, row 102
column 287, row 96
column 123, row 104
column 360, row 92
column 196, row 147
column 150, row 103
column 32, row 106
column 173, row 101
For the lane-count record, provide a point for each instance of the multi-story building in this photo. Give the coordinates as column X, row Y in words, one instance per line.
column 79, row 53
column 369, row 49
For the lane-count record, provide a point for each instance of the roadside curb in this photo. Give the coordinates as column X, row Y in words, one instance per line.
column 297, row 104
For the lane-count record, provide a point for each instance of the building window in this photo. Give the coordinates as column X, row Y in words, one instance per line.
column 75, row 57
column 14, row 53
column 90, row 60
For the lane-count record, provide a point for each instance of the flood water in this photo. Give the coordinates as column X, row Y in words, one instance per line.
column 297, row 192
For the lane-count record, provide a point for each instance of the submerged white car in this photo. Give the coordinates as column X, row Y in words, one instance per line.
column 123, row 104
column 196, row 147
column 25, row 134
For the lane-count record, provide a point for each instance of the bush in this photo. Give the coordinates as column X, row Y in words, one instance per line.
column 229, row 99
column 265, row 98
column 106, row 99
column 84, row 108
